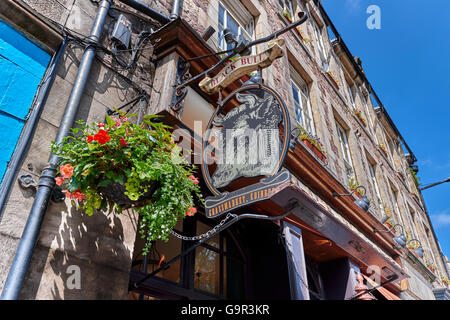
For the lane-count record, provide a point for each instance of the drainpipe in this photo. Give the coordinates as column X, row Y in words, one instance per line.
column 147, row 10
column 175, row 10
column 30, row 234
column 30, row 127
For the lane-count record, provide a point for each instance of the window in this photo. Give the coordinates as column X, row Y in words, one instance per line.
column 303, row 112
column 239, row 21
column 215, row 269
column 351, row 96
column 343, row 142
column 289, row 7
column 375, row 184
column 396, row 207
column 318, row 37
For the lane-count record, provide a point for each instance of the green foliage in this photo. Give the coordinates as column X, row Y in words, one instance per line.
column 315, row 141
column 415, row 177
column 134, row 156
column 352, row 184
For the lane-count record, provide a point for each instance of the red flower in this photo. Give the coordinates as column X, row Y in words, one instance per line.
column 75, row 195
column 89, row 139
column 59, row 180
column 78, row 195
column 191, row 211
column 66, row 171
column 101, row 125
column 102, row 137
column 123, row 142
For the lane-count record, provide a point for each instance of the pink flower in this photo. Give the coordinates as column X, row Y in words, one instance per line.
column 118, row 122
column 193, row 178
column 66, row 171
column 101, row 125
column 124, row 119
column 123, row 142
column 59, row 180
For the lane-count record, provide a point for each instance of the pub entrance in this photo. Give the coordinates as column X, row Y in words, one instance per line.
column 246, row 261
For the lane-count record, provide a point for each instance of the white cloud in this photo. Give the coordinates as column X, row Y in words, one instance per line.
column 441, row 219
column 354, row 4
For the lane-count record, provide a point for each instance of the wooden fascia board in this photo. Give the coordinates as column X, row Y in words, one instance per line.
column 312, row 173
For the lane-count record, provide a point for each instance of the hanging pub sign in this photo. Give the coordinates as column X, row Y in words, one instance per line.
column 244, row 149
column 242, row 66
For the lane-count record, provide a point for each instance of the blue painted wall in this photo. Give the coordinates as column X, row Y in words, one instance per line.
column 22, row 66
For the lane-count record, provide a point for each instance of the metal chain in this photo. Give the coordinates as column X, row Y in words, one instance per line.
column 206, row 234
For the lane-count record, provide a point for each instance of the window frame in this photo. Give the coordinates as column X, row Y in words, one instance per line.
column 318, row 35
column 345, row 150
column 372, row 173
column 296, row 79
column 351, row 95
column 231, row 8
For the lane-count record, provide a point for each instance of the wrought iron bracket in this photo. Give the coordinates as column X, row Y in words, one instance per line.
column 180, row 91
column 26, row 181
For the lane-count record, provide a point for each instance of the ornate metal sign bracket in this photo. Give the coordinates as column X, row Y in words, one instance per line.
column 184, row 78
column 180, row 93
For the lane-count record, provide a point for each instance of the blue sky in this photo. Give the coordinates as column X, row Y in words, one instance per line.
column 407, row 63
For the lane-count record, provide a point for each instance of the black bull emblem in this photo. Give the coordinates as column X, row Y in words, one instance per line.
column 250, row 139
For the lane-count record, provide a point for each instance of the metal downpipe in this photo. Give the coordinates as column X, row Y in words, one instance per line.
column 175, row 10
column 30, row 127
column 147, row 10
column 32, row 228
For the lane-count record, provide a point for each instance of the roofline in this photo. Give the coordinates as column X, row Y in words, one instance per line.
column 363, row 76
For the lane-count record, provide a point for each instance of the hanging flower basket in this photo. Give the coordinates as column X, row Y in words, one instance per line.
column 121, row 165
column 116, row 192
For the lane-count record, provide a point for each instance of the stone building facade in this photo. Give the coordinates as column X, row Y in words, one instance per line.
column 323, row 85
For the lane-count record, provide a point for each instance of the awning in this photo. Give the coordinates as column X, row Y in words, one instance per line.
column 385, row 292
column 320, row 216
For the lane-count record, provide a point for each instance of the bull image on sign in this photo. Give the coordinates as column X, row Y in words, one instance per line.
column 248, row 137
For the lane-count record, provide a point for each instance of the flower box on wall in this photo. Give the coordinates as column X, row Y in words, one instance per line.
column 383, row 149
column 314, row 149
column 358, row 114
column 333, row 79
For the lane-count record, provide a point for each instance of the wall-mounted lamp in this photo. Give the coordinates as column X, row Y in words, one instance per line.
column 363, row 203
column 419, row 249
column 401, row 239
column 240, row 44
column 228, row 36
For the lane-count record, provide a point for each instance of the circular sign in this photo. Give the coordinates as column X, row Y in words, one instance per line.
column 247, row 137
